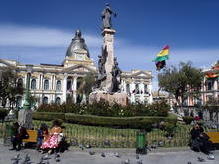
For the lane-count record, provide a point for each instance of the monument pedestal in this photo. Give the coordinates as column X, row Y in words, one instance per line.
column 25, row 118
column 119, row 98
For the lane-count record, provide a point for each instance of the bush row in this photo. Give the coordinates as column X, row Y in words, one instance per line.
column 138, row 122
column 3, row 113
column 104, row 109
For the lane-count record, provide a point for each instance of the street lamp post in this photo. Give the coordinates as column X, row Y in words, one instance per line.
column 25, row 113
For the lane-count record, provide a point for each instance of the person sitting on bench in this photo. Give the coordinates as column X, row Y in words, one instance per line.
column 42, row 134
column 200, row 140
column 53, row 140
column 18, row 134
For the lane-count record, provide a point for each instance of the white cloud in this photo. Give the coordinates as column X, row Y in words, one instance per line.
column 48, row 45
column 15, row 35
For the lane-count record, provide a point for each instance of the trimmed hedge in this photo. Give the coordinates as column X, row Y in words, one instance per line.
column 120, row 122
column 48, row 116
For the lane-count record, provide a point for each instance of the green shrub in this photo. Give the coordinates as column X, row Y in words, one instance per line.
column 104, row 109
column 188, row 119
column 120, row 122
column 3, row 113
column 48, row 116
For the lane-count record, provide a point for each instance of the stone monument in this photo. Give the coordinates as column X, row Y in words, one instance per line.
column 25, row 114
column 109, row 75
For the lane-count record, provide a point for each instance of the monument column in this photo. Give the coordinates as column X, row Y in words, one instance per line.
column 108, row 47
column 74, row 88
column 64, row 88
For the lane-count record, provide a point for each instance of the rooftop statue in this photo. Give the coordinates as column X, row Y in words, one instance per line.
column 106, row 17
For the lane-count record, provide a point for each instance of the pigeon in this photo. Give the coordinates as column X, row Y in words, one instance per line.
column 88, row 146
column 17, row 157
column 91, row 152
column 46, row 157
column 57, row 157
column 127, row 161
column 117, row 155
column 81, row 146
column 211, row 157
column 139, row 162
column 137, row 156
column 26, row 159
column 103, row 155
column 200, row 159
column 107, row 143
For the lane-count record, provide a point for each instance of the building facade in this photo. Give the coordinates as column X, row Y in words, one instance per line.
column 51, row 83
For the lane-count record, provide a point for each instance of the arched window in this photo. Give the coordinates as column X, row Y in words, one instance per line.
column 46, row 84
column 20, row 83
column 137, row 89
column 69, row 83
column 33, row 84
column 58, row 101
column 45, row 100
column 58, row 85
column 145, row 89
column 127, row 88
column 19, row 101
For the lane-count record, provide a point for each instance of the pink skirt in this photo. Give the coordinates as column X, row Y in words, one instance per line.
column 51, row 142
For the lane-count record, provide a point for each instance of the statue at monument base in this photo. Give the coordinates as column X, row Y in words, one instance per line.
column 111, row 98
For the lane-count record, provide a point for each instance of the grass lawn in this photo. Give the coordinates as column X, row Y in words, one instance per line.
column 120, row 138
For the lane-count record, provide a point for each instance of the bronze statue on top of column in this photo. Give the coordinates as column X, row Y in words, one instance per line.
column 106, row 17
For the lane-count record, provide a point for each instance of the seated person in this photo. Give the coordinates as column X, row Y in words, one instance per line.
column 54, row 137
column 42, row 134
column 18, row 134
column 200, row 140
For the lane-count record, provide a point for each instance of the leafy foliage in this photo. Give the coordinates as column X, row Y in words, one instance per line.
column 3, row 113
column 9, row 88
column 181, row 82
column 143, row 122
column 104, row 109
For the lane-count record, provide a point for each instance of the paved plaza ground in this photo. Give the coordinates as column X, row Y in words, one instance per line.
column 77, row 156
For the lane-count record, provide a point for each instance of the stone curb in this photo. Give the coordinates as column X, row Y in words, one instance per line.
column 129, row 150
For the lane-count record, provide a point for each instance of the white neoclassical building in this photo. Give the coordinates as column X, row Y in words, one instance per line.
column 51, row 83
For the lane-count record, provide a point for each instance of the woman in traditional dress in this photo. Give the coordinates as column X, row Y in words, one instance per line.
column 54, row 137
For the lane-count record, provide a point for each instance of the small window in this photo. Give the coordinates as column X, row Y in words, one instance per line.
column 128, row 88
column 33, row 84
column 137, row 89
column 45, row 100
column 145, row 89
column 20, row 83
column 46, row 85
column 58, row 85
column 58, row 101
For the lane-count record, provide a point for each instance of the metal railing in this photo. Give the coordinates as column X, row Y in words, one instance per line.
column 103, row 137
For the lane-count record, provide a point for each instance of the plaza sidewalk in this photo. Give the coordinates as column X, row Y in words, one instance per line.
column 78, row 156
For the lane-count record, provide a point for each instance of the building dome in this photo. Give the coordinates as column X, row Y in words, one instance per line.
column 77, row 45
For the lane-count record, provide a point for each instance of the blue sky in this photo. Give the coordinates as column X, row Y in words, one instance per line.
column 40, row 31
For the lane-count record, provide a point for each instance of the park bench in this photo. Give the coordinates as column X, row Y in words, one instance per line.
column 214, row 138
column 32, row 137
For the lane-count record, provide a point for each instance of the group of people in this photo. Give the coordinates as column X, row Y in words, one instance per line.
column 48, row 140
column 200, row 140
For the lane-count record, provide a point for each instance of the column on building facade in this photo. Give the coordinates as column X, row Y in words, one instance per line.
column 64, row 88
column 141, row 91
column 123, row 86
column 150, row 98
column 74, row 88
column 132, row 88
column 215, row 87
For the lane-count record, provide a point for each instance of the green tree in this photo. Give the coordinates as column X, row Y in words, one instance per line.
column 9, row 86
column 212, row 106
column 182, row 82
column 86, row 84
